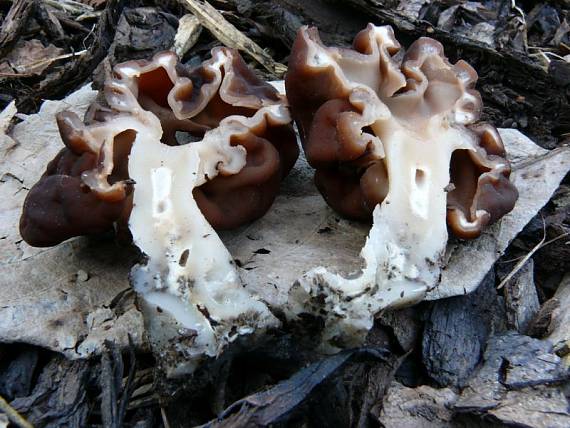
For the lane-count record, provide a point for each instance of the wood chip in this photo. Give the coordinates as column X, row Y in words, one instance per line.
column 189, row 29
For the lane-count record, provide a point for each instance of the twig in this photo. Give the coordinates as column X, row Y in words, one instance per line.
column 543, row 242
column 13, row 414
column 230, row 35
column 164, row 418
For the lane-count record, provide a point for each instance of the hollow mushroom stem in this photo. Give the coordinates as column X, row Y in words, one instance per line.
column 381, row 126
column 190, row 283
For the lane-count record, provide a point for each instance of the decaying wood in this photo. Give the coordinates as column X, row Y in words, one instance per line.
column 140, row 33
column 59, row 83
column 14, row 24
column 115, row 395
column 277, row 404
column 456, row 332
column 518, row 384
column 559, row 328
column 50, row 23
column 59, row 397
column 17, row 377
column 424, row 407
column 521, row 299
column 230, row 36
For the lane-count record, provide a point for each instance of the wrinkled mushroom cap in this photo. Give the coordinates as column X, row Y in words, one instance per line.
column 349, row 102
column 87, row 190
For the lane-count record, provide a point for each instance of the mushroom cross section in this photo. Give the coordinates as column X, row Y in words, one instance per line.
column 174, row 153
column 393, row 136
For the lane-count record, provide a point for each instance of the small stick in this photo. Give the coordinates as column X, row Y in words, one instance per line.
column 164, row 418
column 13, row 414
column 537, row 247
column 230, row 36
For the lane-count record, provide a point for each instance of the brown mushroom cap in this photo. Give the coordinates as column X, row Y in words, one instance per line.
column 329, row 90
column 86, row 188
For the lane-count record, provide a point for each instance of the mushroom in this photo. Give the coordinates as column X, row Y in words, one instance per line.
column 393, row 135
column 126, row 165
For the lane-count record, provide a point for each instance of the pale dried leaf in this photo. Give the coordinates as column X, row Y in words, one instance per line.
column 48, row 295
column 60, row 297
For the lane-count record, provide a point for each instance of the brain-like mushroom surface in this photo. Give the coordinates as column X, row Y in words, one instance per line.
column 393, row 135
column 128, row 164
column 86, row 189
column 359, row 109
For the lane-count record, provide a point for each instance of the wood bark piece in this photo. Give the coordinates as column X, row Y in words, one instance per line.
column 14, row 23
column 424, row 407
column 60, row 82
column 521, row 299
column 59, row 397
column 49, row 22
column 456, row 331
column 142, row 32
column 277, row 404
column 230, row 36
column 518, row 384
column 16, row 378
column 559, row 328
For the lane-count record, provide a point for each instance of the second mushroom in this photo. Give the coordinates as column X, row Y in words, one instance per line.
column 393, row 136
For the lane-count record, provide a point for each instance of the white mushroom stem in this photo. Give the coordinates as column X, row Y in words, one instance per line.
column 405, row 245
column 189, row 285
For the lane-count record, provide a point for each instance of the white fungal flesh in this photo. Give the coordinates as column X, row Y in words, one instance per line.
column 190, row 275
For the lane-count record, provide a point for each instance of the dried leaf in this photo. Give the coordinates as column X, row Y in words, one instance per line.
column 29, row 57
